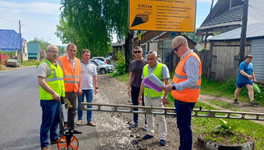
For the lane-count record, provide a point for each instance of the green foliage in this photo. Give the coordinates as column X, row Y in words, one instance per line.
column 120, row 64
column 43, row 44
column 192, row 36
column 91, row 23
column 62, row 50
column 31, row 63
column 224, row 128
column 216, row 33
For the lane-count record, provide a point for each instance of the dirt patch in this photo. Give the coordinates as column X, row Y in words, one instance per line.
column 113, row 127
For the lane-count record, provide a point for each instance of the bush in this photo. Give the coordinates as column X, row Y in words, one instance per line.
column 121, row 64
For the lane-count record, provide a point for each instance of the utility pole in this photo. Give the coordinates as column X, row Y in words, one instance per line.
column 243, row 31
column 209, row 18
column 20, row 43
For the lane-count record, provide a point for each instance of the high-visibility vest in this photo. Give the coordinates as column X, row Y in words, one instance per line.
column 72, row 76
column 189, row 94
column 54, row 81
column 157, row 72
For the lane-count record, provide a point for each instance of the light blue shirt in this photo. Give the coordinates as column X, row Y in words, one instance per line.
column 191, row 68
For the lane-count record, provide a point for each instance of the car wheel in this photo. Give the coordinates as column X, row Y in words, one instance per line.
column 103, row 71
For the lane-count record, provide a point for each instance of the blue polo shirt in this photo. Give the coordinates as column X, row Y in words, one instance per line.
column 247, row 68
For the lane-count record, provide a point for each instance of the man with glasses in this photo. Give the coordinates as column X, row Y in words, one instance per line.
column 185, row 88
column 71, row 67
column 50, row 80
column 136, row 67
column 153, row 98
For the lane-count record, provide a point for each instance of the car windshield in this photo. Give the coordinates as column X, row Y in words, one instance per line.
column 99, row 62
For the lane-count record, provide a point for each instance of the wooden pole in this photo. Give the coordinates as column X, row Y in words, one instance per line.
column 243, row 31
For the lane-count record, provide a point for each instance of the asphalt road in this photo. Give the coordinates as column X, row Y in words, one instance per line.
column 20, row 113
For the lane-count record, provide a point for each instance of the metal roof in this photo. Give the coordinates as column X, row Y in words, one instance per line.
column 9, row 40
column 253, row 31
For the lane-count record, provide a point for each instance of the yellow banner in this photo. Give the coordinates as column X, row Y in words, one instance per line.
column 162, row 15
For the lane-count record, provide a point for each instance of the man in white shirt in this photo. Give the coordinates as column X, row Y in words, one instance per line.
column 89, row 84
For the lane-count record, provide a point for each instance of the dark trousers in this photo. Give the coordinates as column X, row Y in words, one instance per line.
column 134, row 96
column 50, row 120
column 71, row 96
column 184, row 115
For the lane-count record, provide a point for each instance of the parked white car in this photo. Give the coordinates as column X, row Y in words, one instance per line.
column 102, row 67
column 12, row 63
column 99, row 58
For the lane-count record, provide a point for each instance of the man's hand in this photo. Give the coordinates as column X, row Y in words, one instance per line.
column 129, row 92
column 56, row 96
column 167, row 88
column 80, row 91
column 95, row 91
column 165, row 101
column 140, row 99
column 250, row 77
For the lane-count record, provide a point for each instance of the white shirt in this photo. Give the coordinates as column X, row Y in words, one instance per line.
column 88, row 71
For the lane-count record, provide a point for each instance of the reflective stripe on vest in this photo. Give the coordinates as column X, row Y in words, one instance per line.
column 54, row 81
column 189, row 94
column 157, row 72
column 72, row 76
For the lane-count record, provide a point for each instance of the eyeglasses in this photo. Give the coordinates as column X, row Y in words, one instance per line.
column 137, row 52
column 176, row 48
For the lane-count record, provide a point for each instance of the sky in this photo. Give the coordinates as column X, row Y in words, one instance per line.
column 40, row 17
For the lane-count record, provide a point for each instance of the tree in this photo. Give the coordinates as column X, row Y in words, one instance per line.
column 90, row 23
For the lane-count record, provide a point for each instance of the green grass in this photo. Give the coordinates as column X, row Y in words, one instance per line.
column 201, row 125
column 225, row 105
column 31, row 62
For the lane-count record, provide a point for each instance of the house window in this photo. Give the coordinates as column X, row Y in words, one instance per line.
column 235, row 3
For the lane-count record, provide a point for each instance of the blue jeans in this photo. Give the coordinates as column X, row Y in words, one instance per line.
column 184, row 116
column 50, row 120
column 89, row 99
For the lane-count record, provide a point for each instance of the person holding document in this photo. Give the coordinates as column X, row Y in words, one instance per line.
column 185, row 88
column 154, row 98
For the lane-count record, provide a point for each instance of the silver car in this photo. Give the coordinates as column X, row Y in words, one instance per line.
column 102, row 67
column 12, row 63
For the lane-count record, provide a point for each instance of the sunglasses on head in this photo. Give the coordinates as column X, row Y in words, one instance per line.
column 176, row 48
column 137, row 52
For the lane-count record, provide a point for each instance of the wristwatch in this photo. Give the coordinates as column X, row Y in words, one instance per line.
column 173, row 87
column 96, row 88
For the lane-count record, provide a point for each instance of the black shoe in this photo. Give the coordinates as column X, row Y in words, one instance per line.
column 254, row 103
column 146, row 137
column 133, row 126
column 162, row 142
column 236, row 102
column 76, row 132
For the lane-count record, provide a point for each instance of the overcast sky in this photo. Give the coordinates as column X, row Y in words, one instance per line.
column 40, row 17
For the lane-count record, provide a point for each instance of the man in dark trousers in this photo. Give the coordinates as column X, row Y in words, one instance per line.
column 136, row 67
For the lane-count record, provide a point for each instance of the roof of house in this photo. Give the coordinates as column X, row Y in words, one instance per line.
column 33, row 49
column 254, row 31
column 222, row 15
column 9, row 40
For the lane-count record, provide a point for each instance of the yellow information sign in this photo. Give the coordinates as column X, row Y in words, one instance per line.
column 162, row 15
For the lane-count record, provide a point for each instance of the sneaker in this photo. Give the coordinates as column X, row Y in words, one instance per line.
column 162, row 142
column 146, row 128
column 133, row 126
column 79, row 122
column 254, row 103
column 91, row 124
column 45, row 148
column 236, row 102
column 146, row 137
column 56, row 141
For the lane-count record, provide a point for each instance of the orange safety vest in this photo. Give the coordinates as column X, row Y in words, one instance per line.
column 71, row 77
column 191, row 94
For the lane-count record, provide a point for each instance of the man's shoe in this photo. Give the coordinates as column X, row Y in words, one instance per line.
column 45, row 148
column 91, row 124
column 76, row 132
column 146, row 128
column 146, row 137
column 236, row 102
column 254, row 103
column 56, row 141
column 133, row 126
column 79, row 122
column 162, row 142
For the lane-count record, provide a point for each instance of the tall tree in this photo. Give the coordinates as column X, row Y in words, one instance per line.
column 91, row 23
